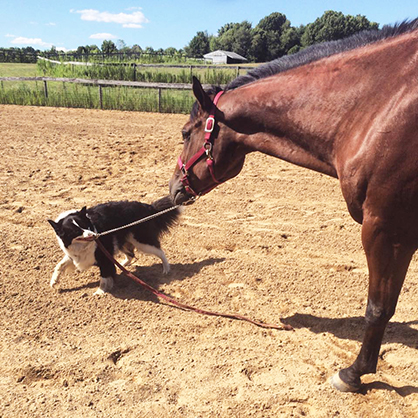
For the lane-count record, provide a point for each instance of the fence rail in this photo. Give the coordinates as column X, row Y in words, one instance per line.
column 105, row 83
column 237, row 68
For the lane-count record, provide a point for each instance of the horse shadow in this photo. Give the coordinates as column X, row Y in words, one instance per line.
column 353, row 329
column 402, row 391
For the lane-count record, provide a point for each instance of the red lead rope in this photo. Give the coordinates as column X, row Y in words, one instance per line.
column 182, row 305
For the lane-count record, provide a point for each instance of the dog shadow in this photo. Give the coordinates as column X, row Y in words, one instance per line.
column 126, row 288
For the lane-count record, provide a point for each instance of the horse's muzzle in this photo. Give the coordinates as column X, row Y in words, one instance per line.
column 178, row 193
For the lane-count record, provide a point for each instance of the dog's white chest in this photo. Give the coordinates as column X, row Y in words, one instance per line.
column 81, row 253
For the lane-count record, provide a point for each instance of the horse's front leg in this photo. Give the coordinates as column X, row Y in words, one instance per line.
column 388, row 261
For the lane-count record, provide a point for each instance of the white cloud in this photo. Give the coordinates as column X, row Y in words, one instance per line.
column 132, row 25
column 8, row 35
column 63, row 49
column 103, row 36
column 36, row 42
column 20, row 40
column 127, row 20
column 51, row 24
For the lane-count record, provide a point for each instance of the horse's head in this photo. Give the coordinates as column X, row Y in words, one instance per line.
column 211, row 153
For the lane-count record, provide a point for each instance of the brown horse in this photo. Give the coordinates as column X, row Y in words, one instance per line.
column 348, row 109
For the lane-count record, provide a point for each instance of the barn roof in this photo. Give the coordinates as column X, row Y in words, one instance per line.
column 219, row 53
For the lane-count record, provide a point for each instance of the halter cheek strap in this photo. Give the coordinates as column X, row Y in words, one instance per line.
column 205, row 150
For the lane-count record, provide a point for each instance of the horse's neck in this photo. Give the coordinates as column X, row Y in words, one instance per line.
column 306, row 115
column 284, row 123
column 273, row 125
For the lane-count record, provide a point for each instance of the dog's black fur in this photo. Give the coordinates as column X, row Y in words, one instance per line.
column 145, row 237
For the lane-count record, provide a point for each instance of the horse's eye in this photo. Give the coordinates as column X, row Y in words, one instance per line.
column 186, row 136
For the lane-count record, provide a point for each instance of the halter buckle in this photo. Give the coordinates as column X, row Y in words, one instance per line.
column 210, row 124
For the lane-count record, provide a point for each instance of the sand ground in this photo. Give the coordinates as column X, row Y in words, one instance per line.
column 274, row 243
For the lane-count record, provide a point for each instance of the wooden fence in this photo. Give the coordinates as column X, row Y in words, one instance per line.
column 105, row 83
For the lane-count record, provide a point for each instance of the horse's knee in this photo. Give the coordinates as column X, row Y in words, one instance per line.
column 378, row 315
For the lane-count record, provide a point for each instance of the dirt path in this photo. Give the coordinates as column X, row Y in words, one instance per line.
column 276, row 242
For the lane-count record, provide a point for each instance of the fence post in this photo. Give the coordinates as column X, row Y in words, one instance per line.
column 46, row 89
column 159, row 100
column 100, row 96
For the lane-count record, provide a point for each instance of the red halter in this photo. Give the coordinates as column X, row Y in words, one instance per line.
column 206, row 149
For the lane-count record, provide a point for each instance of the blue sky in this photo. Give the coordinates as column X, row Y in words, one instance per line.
column 161, row 24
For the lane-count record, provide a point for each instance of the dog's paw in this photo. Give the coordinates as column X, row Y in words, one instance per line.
column 126, row 262
column 166, row 268
column 106, row 284
column 99, row 292
column 53, row 282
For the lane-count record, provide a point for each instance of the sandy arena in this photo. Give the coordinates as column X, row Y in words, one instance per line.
column 275, row 243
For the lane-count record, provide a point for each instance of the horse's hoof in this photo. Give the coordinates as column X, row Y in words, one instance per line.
column 342, row 386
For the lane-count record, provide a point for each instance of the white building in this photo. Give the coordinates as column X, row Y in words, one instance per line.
column 224, row 57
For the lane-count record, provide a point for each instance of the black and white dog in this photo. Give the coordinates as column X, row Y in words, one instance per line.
column 72, row 225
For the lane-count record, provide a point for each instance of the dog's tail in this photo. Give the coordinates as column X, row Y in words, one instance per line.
column 169, row 219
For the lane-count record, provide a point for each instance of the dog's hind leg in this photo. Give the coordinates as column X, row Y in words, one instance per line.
column 128, row 250
column 65, row 264
column 151, row 249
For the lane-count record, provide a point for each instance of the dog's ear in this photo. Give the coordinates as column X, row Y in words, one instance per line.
column 83, row 211
column 54, row 225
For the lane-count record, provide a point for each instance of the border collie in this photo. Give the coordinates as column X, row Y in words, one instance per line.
column 145, row 237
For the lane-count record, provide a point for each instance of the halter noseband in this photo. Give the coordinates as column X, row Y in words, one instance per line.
column 206, row 149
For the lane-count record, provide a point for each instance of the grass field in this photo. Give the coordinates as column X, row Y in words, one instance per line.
column 73, row 95
column 18, row 70
column 161, row 74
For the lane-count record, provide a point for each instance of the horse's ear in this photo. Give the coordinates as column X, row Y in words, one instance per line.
column 201, row 96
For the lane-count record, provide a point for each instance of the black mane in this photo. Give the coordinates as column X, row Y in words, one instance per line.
column 322, row 50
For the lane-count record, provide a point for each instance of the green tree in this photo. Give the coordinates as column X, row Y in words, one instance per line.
column 332, row 26
column 121, row 46
column 81, row 50
column 236, row 37
column 273, row 37
column 93, row 49
column 136, row 49
column 213, row 43
column 258, row 51
column 199, row 45
column 290, row 40
column 108, row 47
column 170, row 51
